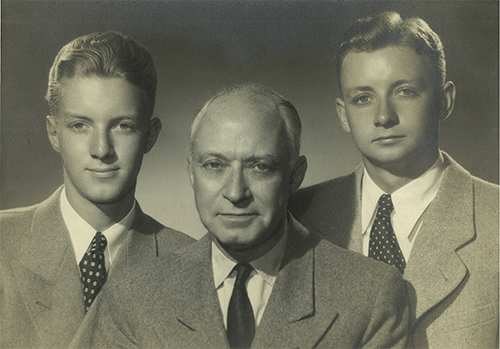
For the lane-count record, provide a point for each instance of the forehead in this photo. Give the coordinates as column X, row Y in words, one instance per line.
column 93, row 96
column 390, row 64
column 239, row 123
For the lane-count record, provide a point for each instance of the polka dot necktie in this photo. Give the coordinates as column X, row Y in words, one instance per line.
column 93, row 269
column 240, row 318
column 383, row 243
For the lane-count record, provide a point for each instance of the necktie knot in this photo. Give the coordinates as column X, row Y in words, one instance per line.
column 98, row 243
column 243, row 271
column 385, row 205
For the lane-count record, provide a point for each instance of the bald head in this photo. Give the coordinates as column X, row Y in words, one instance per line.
column 251, row 99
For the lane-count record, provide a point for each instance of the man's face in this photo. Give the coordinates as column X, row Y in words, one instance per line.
column 240, row 171
column 390, row 106
column 101, row 134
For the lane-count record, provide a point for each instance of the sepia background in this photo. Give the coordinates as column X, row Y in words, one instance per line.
column 201, row 46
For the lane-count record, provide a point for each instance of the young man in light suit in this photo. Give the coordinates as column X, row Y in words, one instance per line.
column 444, row 222
column 56, row 256
column 258, row 278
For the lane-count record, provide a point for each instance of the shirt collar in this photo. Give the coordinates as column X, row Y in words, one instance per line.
column 410, row 201
column 82, row 233
column 267, row 266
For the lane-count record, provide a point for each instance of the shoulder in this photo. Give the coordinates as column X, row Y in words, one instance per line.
column 485, row 191
column 332, row 192
column 165, row 236
column 338, row 263
column 17, row 215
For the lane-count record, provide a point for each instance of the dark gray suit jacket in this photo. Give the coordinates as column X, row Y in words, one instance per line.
column 41, row 297
column 452, row 271
column 324, row 297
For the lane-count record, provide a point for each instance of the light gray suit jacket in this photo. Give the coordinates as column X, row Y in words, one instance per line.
column 453, row 267
column 41, row 297
column 324, row 297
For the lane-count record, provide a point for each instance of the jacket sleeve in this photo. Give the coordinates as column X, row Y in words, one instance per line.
column 389, row 323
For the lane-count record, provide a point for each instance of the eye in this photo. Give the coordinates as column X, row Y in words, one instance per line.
column 78, row 126
column 363, row 99
column 261, row 167
column 125, row 127
column 212, row 165
column 407, row 92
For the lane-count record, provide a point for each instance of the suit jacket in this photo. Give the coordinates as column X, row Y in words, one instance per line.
column 324, row 297
column 453, row 267
column 41, row 294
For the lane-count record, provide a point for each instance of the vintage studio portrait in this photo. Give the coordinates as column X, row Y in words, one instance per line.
column 249, row 174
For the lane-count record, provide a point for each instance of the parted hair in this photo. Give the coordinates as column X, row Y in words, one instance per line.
column 389, row 29
column 108, row 54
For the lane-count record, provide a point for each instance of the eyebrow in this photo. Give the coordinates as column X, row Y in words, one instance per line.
column 355, row 89
column 252, row 158
column 90, row 119
column 358, row 89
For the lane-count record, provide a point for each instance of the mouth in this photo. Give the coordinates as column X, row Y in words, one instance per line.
column 103, row 173
column 387, row 139
column 237, row 216
column 237, row 220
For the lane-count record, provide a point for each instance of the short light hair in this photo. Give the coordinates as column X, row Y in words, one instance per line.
column 286, row 111
column 389, row 29
column 108, row 54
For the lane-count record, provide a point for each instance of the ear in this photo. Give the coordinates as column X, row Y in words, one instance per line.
column 447, row 100
column 153, row 132
column 298, row 174
column 51, row 124
column 340, row 104
column 190, row 169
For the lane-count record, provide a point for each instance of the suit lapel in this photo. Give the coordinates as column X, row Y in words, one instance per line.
column 48, row 275
column 435, row 269
column 290, row 315
column 193, row 296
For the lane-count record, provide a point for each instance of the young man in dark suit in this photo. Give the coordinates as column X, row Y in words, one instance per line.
column 258, row 278
column 440, row 226
column 56, row 256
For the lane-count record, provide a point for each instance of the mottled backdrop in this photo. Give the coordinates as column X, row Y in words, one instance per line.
column 200, row 46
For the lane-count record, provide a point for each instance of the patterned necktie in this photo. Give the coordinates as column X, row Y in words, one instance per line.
column 93, row 269
column 240, row 319
column 383, row 243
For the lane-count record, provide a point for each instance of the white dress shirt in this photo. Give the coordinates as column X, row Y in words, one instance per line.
column 410, row 202
column 260, row 282
column 82, row 233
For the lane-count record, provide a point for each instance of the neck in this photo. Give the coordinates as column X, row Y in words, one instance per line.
column 390, row 177
column 255, row 252
column 100, row 216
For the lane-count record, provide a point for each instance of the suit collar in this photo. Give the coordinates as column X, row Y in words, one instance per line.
column 435, row 269
column 138, row 242
column 344, row 227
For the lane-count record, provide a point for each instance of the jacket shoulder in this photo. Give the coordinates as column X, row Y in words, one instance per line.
column 325, row 193
column 14, row 221
column 166, row 236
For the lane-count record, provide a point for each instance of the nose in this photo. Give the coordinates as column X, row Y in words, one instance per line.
column 101, row 146
column 386, row 116
column 236, row 188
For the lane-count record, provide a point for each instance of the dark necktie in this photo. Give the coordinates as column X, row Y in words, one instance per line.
column 93, row 269
column 383, row 243
column 240, row 319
